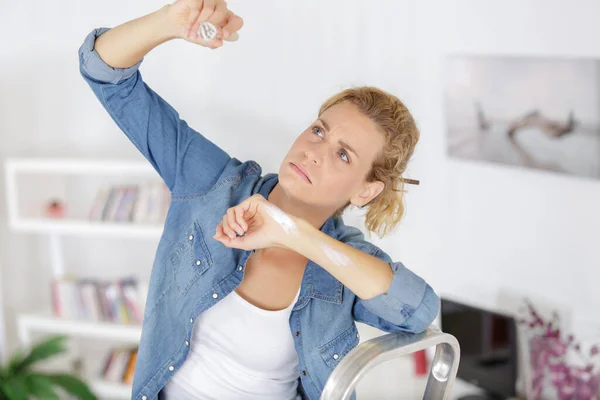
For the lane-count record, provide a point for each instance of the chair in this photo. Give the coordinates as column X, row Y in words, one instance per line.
column 344, row 378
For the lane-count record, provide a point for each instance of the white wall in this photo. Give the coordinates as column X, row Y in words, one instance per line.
column 500, row 227
column 472, row 230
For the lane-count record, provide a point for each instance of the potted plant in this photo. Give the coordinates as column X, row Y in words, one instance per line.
column 19, row 380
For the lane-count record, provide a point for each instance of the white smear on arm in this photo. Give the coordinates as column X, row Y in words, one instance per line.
column 337, row 257
column 289, row 226
column 280, row 217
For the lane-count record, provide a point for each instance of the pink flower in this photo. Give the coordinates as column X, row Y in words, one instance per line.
column 589, row 368
column 557, row 348
column 548, row 350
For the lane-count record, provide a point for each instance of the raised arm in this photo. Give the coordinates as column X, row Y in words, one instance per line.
column 109, row 61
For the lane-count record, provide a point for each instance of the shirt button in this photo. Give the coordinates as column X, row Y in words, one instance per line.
column 215, row 295
column 191, row 237
column 240, row 268
column 144, row 398
column 187, row 343
column 297, row 333
column 191, row 320
column 171, row 368
column 335, row 356
column 198, row 262
column 303, row 372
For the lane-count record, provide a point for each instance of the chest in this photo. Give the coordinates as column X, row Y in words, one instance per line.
column 272, row 279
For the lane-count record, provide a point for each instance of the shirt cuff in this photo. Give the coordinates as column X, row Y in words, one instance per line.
column 405, row 294
column 94, row 67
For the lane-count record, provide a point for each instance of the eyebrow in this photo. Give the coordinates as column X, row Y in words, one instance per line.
column 344, row 144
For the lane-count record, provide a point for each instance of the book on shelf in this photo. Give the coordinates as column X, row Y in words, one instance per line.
column 121, row 301
column 119, row 365
column 145, row 203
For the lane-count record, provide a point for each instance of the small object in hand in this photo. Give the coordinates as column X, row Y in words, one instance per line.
column 207, row 31
column 55, row 209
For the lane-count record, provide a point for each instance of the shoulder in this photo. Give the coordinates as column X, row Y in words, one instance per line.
column 235, row 170
column 235, row 175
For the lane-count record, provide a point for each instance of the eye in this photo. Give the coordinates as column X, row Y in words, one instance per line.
column 344, row 156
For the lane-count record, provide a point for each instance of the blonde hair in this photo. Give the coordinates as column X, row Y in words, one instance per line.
column 401, row 134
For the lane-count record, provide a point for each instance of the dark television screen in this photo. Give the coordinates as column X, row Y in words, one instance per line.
column 488, row 348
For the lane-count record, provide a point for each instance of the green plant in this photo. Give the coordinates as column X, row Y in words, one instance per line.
column 19, row 381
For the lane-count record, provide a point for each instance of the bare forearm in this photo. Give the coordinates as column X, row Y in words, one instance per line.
column 124, row 45
column 365, row 275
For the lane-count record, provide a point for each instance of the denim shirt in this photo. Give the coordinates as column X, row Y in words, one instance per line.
column 192, row 272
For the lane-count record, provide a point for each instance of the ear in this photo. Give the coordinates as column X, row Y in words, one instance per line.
column 369, row 191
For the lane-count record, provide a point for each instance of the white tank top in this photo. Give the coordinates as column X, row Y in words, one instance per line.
column 238, row 351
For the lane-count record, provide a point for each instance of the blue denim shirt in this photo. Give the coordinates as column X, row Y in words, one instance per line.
column 192, row 271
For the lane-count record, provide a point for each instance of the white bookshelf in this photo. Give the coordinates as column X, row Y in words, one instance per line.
column 16, row 167
column 79, row 166
column 56, row 229
column 110, row 390
column 42, row 323
column 87, row 228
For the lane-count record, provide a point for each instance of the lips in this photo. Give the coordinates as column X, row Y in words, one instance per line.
column 302, row 170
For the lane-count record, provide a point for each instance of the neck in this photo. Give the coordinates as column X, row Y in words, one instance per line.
column 314, row 216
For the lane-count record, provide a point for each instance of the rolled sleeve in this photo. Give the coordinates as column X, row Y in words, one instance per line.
column 410, row 304
column 94, row 67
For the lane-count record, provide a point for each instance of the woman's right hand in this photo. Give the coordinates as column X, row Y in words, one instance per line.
column 187, row 15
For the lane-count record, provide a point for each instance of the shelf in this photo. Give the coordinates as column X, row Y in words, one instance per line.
column 76, row 166
column 79, row 166
column 29, row 177
column 91, row 329
column 110, row 390
column 88, row 228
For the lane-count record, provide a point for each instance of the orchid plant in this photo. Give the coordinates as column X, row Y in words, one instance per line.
column 549, row 349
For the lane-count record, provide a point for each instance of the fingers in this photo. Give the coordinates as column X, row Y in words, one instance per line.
column 220, row 230
column 239, row 242
column 207, row 10
column 218, row 18
column 213, row 11
column 240, row 212
column 190, row 32
column 215, row 43
column 233, row 222
column 202, row 14
column 227, row 229
column 219, row 15
column 234, row 24
column 219, row 234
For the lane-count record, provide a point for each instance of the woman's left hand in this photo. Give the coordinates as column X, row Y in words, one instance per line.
column 259, row 224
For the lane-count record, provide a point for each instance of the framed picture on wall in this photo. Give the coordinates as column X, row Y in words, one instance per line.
column 539, row 113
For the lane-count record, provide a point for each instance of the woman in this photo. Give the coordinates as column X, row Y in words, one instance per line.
column 257, row 283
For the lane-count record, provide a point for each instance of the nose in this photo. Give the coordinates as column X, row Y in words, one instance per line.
column 313, row 157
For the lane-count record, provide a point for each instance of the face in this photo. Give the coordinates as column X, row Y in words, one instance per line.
column 336, row 152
